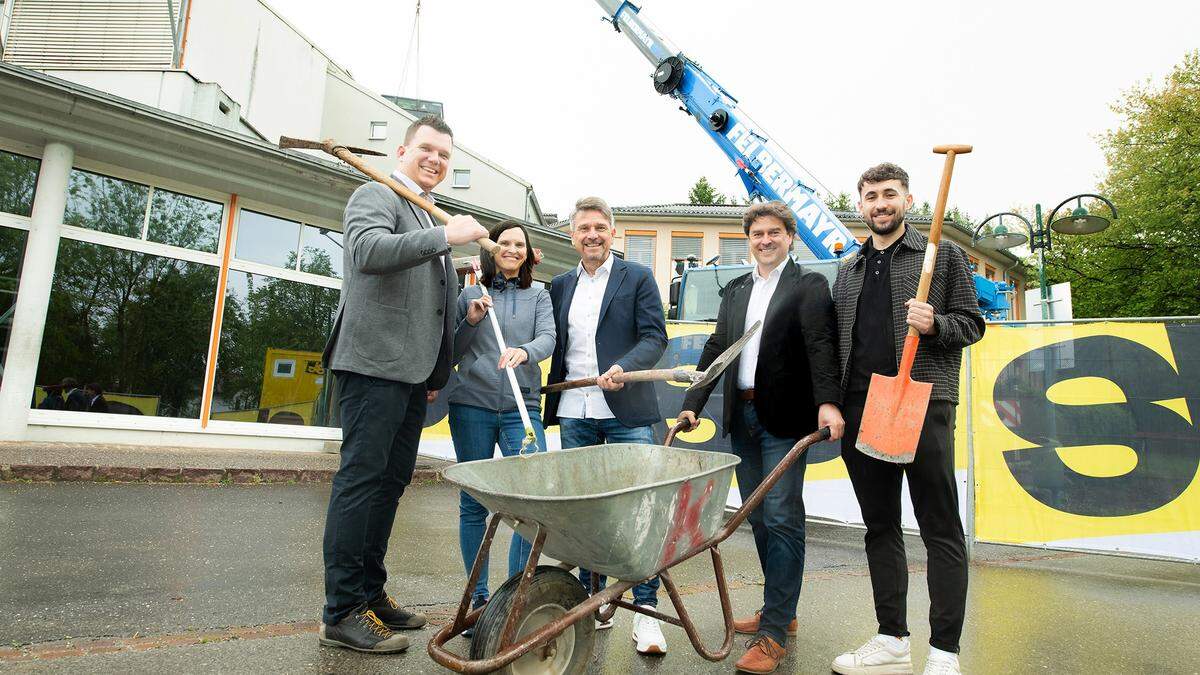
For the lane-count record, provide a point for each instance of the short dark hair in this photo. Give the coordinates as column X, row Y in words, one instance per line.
column 432, row 121
column 94, row 387
column 69, row 383
column 882, row 172
column 776, row 209
column 488, row 266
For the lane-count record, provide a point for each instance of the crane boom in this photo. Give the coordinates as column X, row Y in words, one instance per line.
column 766, row 171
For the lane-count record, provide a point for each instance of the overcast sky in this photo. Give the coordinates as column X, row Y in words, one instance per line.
column 554, row 95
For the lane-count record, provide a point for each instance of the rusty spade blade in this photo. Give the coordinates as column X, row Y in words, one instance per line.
column 287, row 142
column 722, row 362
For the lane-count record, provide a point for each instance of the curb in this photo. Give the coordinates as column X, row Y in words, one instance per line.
column 41, row 473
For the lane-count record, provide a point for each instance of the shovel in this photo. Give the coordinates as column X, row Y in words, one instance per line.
column 530, row 439
column 895, row 410
column 696, row 378
column 348, row 154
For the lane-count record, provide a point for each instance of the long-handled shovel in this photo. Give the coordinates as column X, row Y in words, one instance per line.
column 696, row 378
column 348, row 154
column 530, row 438
column 895, row 410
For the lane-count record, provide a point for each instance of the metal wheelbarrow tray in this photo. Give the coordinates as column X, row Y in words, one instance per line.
column 628, row 511
column 623, row 510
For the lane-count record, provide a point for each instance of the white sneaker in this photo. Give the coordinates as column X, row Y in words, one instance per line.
column 881, row 655
column 648, row 634
column 942, row 663
column 602, row 625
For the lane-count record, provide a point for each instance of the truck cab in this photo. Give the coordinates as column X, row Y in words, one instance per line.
column 697, row 290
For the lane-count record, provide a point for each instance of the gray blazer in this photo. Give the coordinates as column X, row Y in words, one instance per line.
column 396, row 316
column 526, row 319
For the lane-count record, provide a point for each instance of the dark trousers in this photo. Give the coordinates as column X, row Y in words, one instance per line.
column 778, row 523
column 381, row 426
column 935, row 503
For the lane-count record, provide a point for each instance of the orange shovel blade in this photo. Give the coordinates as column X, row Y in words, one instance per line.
column 893, row 417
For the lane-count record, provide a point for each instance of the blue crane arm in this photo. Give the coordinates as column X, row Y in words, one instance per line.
column 765, row 169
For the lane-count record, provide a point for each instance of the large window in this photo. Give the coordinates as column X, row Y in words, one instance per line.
column 734, row 250
column 269, row 365
column 18, row 177
column 116, row 206
column 280, row 242
column 134, row 324
column 12, row 252
column 639, row 248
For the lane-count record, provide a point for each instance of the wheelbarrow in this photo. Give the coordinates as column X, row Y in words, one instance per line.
column 628, row 511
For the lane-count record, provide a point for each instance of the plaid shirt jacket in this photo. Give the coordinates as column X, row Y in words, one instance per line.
column 952, row 294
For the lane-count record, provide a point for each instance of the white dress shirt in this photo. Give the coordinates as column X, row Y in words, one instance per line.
column 580, row 359
column 756, row 310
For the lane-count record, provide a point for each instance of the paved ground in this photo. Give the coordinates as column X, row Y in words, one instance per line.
column 194, row 578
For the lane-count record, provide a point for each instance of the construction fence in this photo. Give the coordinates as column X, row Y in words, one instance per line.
column 1075, row 435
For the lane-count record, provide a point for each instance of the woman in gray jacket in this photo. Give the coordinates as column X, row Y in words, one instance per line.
column 483, row 411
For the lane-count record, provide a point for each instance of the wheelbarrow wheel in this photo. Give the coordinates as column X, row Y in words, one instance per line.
column 552, row 593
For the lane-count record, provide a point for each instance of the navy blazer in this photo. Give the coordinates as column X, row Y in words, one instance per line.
column 631, row 332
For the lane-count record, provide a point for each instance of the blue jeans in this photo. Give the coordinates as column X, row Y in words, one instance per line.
column 476, row 432
column 576, row 433
column 778, row 523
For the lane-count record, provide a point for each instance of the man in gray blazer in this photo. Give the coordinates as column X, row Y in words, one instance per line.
column 390, row 351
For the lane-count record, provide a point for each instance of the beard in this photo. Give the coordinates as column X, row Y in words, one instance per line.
column 896, row 222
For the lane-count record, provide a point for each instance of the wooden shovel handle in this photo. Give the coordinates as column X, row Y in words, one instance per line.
column 344, row 154
column 935, row 230
column 660, row 375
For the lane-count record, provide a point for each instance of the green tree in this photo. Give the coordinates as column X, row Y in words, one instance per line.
column 704, row 193
column 1148, row 261
column 841, row 202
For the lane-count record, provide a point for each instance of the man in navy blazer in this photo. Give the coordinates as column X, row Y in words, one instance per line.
column 609, row 318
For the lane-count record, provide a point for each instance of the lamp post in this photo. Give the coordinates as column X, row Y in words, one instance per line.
column 1080, row 221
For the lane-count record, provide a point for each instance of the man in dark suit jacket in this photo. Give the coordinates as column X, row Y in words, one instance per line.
column 390, row 351
column 95, row 397
column 609, row 318
column 783, row 386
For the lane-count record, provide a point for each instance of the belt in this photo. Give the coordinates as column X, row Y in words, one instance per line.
column 746, row 394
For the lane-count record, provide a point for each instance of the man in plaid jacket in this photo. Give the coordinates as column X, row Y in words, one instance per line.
column 874, row 297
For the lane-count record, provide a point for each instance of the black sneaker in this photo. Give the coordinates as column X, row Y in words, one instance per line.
column 394, row 616
column 362, row 631
column 476, row 603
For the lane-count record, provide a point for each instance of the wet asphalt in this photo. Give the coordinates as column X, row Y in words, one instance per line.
column 89, row 561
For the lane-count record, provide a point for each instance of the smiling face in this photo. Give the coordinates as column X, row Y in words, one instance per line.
column 592, row 235
column 513, row 252
column 770, row 242
column 426, row 157
column 883, row 205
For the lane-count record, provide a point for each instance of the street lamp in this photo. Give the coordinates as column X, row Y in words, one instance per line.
column 1080, row 221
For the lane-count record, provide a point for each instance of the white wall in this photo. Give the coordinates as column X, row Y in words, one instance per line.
column 349, row 111
column 272, row 71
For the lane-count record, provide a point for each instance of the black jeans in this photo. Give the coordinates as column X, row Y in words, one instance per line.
column 935, row 503
column 381, row 426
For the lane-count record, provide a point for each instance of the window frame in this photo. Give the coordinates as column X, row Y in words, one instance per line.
column 652, row 235
column 455, row 173
column 373, row 135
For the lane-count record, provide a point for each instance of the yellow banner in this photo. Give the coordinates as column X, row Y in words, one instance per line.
column 1087, row 431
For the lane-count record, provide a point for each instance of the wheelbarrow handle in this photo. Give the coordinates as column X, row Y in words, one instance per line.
column 680, row 426
column 760, row 493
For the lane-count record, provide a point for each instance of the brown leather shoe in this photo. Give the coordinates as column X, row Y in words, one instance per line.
column 749, row 625
column 762, row 656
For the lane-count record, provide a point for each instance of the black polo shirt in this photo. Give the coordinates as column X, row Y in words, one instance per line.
column 874, row 345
